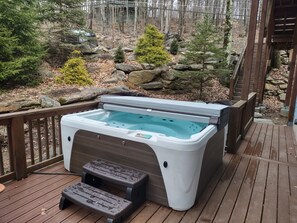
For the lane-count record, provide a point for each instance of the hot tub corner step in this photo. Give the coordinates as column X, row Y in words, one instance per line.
column 116, row 173
column 102, row 202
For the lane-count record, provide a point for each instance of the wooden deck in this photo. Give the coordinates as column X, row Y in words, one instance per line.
column 259, row 184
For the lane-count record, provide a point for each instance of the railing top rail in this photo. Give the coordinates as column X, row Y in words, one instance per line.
column 47, row 111
column 236, row 69
column 252, row 95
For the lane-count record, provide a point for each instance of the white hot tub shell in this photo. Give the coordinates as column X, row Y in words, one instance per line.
column 178, row 167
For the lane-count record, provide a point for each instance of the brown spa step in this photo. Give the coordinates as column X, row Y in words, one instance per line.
column 102, row 202
column 115, row 173
column 133, row 181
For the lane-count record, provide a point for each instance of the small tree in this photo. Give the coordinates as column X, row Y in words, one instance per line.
column 20, row 50
column 204, row 49
column 119, row 56
column 150, row 47
column 174, row 47
column 63, row 13
column 74, row 71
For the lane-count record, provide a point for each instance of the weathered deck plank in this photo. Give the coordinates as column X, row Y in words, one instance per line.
column 258, row 184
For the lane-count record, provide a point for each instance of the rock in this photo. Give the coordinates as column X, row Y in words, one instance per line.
column 44, row 71
column 111, row 80
column 284, row 112
column 18, row 105
column 127, row 68
column 47, row 102
column 170, row 75
column 147, row 66
column 196, row 66
column 157, row 85
column 269, row 79
column 128, row 49
column 260, row 109
column 269, row 87
column 258, row 115
column 282, row 97
column 209, row 67
column 181, row 67
column 143, row 76
column 132, row 57
column 57, row 93
column 119, row 75
column 285, row 60
column 283, row 53
column 283, row 86
column 90, row 94
column 277, row 82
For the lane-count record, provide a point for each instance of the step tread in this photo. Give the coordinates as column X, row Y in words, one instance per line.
column 114, row 172
column 97, row 200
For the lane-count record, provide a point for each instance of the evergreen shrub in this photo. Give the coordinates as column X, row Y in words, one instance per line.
column 150, row 47
column 74, row 71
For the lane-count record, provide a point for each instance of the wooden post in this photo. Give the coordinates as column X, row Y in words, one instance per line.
column 260, row 58
column 293, row 97
column 250, row 50
column 264, row 65
column 292, row 67
column 17, row 134
column 291, row 76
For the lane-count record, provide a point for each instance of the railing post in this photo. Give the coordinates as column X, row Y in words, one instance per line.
column 18, row 147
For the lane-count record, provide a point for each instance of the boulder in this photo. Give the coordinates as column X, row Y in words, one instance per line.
column 156, row 85
column 128, row 49
column 269, row 87
column 44, row 71
column 119, row 75
column 18, row 105
column 277, row 82
column 47, row 102
column 282, row 97
column 147, row 66
column 112, row 80
column 90, row 94
column 196, row 66
column 127, row 68
column 143, row 76
column 170, row 75
column 283, row 86
column 181, row 67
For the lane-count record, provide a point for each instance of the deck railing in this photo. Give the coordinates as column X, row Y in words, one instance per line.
column 242, row 114
column 236, row 73
column 30, row 140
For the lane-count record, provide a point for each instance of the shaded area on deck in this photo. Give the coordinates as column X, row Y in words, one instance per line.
column 258, row 184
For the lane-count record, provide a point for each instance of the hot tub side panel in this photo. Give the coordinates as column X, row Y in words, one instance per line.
column 89, row 146
column 212, row 160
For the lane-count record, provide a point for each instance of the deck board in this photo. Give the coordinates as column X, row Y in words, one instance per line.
column 258, row 184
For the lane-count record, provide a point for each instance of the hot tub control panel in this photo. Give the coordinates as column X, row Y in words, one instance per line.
column 144, row 136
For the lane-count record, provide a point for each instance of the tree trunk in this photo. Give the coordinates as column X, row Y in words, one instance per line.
column 182, row 12
column 91, row 15
column 135, row 18
column 228, row 29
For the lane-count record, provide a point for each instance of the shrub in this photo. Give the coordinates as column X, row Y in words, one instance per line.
column 174, row 47
column 119, row 56
column 20, row 50
column 74, row 71
column 150, row 47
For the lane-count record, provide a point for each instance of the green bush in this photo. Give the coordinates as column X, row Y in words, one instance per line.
column 20, row 51
column 150, row 47
column 174, row 47
column 119, row 56
column 74, row 71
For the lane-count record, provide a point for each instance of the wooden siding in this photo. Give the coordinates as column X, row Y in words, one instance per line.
column 258, row 184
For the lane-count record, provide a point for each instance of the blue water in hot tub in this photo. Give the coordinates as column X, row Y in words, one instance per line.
column 170, row 127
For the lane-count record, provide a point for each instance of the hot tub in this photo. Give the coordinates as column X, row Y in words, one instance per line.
column 178, row 144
